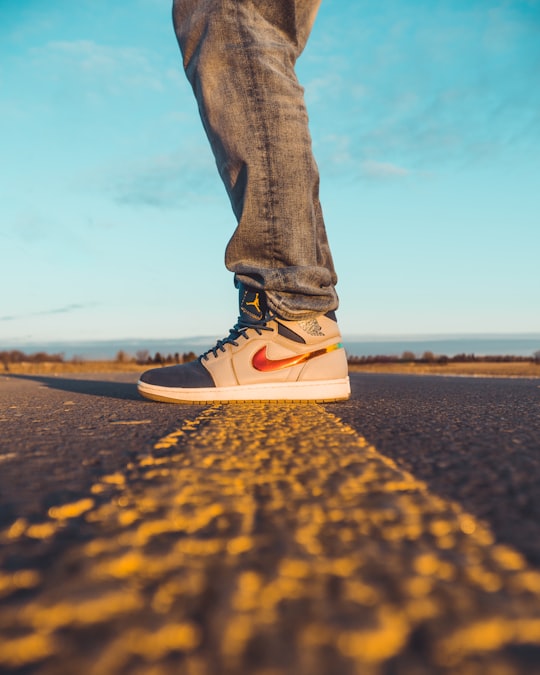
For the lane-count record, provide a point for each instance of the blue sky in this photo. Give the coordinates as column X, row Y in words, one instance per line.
column 425, row 119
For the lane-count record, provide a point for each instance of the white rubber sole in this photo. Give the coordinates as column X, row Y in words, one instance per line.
column 320, row 390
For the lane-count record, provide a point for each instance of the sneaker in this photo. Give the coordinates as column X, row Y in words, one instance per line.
column 264, row 358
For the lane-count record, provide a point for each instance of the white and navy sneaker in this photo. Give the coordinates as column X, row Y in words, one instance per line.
column 264, row 358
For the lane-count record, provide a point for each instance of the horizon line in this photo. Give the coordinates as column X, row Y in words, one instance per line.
column 346, row 336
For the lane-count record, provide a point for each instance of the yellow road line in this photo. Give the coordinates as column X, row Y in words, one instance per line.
column 269, row 539
column 131, row 422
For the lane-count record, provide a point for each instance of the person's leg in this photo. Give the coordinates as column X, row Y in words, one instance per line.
column 239, row 56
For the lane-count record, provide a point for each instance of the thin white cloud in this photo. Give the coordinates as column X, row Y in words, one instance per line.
column 99, row 66
column 66, row 309
column 383, row 170
column 167, row 180
column 336, row 155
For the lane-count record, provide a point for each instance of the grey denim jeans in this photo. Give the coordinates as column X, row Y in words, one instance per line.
column 239, row 56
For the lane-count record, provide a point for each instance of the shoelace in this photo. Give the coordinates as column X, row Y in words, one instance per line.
column 238, row 331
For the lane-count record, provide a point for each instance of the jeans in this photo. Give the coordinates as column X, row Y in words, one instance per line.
column 239, row 56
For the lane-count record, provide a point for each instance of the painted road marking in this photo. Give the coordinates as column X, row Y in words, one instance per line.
column 268, row 539
column 131, row 422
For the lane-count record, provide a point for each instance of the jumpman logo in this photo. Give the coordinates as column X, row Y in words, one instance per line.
column 255, row 303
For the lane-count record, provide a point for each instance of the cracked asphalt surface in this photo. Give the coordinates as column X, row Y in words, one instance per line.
column 396, row 533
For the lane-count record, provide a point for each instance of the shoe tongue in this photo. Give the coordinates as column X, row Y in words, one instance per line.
column 252, row 304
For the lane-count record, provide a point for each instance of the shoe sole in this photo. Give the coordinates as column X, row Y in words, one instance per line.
column 321, row 391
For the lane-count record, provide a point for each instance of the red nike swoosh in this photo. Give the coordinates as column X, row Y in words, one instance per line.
column 262, row 363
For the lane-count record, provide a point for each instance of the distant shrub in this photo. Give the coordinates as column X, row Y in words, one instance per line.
column 142, row 356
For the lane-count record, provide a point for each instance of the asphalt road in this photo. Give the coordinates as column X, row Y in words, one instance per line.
column 396, row 533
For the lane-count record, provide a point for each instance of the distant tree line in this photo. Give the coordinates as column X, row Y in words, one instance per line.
column 143, row 357
column 16, row 356
column 430, row 357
